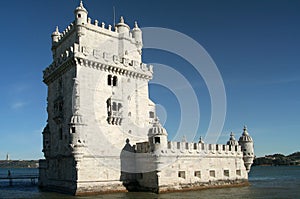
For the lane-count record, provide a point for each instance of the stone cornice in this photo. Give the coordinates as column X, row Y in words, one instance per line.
column 108, row 67
column 54, row 71
column 124, row 68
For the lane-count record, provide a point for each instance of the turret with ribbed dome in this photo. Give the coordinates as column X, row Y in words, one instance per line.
column 232, row 140
column 246, row 143
column 157, row 136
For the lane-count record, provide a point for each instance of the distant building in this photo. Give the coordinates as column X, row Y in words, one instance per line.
column 102, row 132
column 7, row 157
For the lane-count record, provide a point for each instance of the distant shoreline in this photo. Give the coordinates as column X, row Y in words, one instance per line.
column 9, row 164
column 268, row 160
column 278, row 160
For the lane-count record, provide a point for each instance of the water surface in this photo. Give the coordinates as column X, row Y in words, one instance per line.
column 266, row 183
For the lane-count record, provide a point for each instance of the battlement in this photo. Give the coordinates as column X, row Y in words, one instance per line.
column 66, row 32
column 192, row 148
column 102, row 28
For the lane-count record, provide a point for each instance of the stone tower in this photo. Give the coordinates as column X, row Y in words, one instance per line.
column 246, row 143
column 97, row 105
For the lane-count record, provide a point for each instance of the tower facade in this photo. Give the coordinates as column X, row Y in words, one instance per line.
column 97, row 104
column 102, row 133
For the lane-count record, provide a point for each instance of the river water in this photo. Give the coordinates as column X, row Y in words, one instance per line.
column 266, row 183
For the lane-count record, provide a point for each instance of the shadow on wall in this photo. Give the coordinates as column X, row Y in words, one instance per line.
column 128, row 175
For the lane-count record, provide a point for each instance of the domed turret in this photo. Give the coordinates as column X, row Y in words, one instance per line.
column 157, row 136
column 232, row 140
column 80, row 14
column 55, row 36
column 122, row 27
column 246, row 143
column 137, row 35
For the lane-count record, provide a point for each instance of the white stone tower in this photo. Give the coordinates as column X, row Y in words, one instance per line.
column 98, row 105
column 246, row 143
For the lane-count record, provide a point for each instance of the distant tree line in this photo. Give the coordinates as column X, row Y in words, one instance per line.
column 278, row 160
column 19, row 163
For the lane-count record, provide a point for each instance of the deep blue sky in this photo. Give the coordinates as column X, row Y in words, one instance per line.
column 255, row 45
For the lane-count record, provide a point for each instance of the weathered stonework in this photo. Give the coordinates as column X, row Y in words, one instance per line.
column 102, row 134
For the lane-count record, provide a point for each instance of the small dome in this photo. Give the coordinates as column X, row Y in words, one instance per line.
column 122, row 26
column 81, row 8
column 157, row 129
column 136, row 27
column 56, row 32
column 232, row 140
column 76, row 119
column 245, row 136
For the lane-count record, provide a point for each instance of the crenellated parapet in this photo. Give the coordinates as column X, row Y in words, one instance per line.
column 76, row 31
column 190, row 148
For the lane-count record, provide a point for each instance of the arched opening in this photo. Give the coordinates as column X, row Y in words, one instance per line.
column 115, row 80
column 109, row 80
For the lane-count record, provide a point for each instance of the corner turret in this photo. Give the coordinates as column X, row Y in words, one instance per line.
column 80, row 15
column 137, row 35
column 122, row 27
column 55, row 36
column 157, row 136
column 246, row 143
column 232, row 140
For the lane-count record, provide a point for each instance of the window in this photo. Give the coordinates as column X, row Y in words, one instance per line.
column 119, row 106
column 238, row 172
column 181, row 174
column 73, row 129
column 226, row 173
column 115, row 80
column 112, row 80
column 197, row 174
column 151, row 114
column 114, row 106
column 79, row 15
column 109, row 80
column 157, row 140
column 114, row 111
column 212, row 173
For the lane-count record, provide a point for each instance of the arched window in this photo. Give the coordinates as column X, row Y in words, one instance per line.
column 109, row 80
column 115, row 80
column 119, row 106
column 114, row 106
